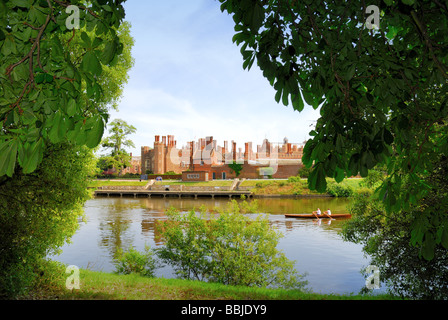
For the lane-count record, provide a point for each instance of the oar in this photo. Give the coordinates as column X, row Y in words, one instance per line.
column 329, row 216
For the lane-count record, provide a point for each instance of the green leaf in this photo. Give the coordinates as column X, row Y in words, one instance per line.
column 58, row 128
column 297, row 102
column 428, row 246
column 339, row 175
column 95, row 134
column 307, row 151
column 353, row 165
column 285, row 98
column 278, row 95
column 339, row 143
column 71, row 107
column 21, row 3
column 444, row 239
column 316, row 179
column 33, row 155
column 8, row 157
column 43, row 78
column 350, row 72
column 258, row 15
column 108, row 53
column 90, row 63
column 86, row 39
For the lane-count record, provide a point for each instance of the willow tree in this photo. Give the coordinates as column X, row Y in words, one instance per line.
column 378, row 72
column 59, row 74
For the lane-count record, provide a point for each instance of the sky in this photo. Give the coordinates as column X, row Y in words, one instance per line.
column 188, row 81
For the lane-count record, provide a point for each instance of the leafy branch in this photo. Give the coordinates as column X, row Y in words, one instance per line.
column 429, row 44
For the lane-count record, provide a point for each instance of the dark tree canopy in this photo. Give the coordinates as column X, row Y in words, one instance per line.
column 382, row 91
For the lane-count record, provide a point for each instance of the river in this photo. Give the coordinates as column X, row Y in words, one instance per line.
column 331, row 264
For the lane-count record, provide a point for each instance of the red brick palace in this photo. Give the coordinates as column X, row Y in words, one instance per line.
column 279, row 160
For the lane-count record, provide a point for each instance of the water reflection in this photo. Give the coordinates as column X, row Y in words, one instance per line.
column 332, row 265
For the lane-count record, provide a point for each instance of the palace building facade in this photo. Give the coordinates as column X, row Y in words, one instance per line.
column 279, row 160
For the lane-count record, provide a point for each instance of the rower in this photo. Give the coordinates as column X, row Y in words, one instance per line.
column 328, row 214
column 317, row 213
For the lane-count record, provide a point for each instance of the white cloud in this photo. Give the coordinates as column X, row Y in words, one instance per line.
column 188, row 80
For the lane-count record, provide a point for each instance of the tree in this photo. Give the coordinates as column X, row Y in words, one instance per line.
column 387, row 240
column 119, row 131
column 228, row 248
column 39, row 212
column 51, row 77
column 57, row 81
column 237, row 167
column 382, row 92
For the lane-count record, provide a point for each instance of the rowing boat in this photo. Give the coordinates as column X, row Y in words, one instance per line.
column 322, row 216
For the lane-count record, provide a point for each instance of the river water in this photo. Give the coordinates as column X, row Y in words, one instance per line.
column 331, row 264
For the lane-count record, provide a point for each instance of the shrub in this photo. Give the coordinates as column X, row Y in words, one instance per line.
column 133, row 261
column 364, row 191
column 228, row 248
column 39, row 213
column 294, row 179
column 304, row 172
column 339, row 190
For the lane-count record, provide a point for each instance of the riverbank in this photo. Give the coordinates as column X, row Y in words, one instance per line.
column 292, row 187
column 110, row 286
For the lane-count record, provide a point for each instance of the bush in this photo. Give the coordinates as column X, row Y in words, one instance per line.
column 39, row 213
column 339, row 190
column 132, row 261
column 131, row 175
column 294, row 179
column 261, row 184
column 228, row 248
column 304, row 172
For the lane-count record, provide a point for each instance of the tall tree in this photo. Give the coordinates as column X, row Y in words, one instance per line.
column 382, row 91
column 117, row 141
column 51, row 83
column 58, row 77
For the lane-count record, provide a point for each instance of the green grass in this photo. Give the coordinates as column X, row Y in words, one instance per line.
column 253, row 183
column 110, row 286
column 214, row 183
column 100, row 183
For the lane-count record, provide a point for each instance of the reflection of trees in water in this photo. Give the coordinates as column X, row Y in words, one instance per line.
column 118, row 214
column 302, row 205
column 275, row 207
column 266, row 205
column 114, row 223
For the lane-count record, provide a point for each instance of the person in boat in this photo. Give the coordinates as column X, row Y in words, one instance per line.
column 328, row 213
column 317, row 213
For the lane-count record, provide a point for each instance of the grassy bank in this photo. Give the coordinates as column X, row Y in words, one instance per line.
column 110, row 286
column 291, row 186
column 299, row 186
column 101, row 183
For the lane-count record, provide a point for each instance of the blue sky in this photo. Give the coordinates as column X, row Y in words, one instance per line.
column 188, row 80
